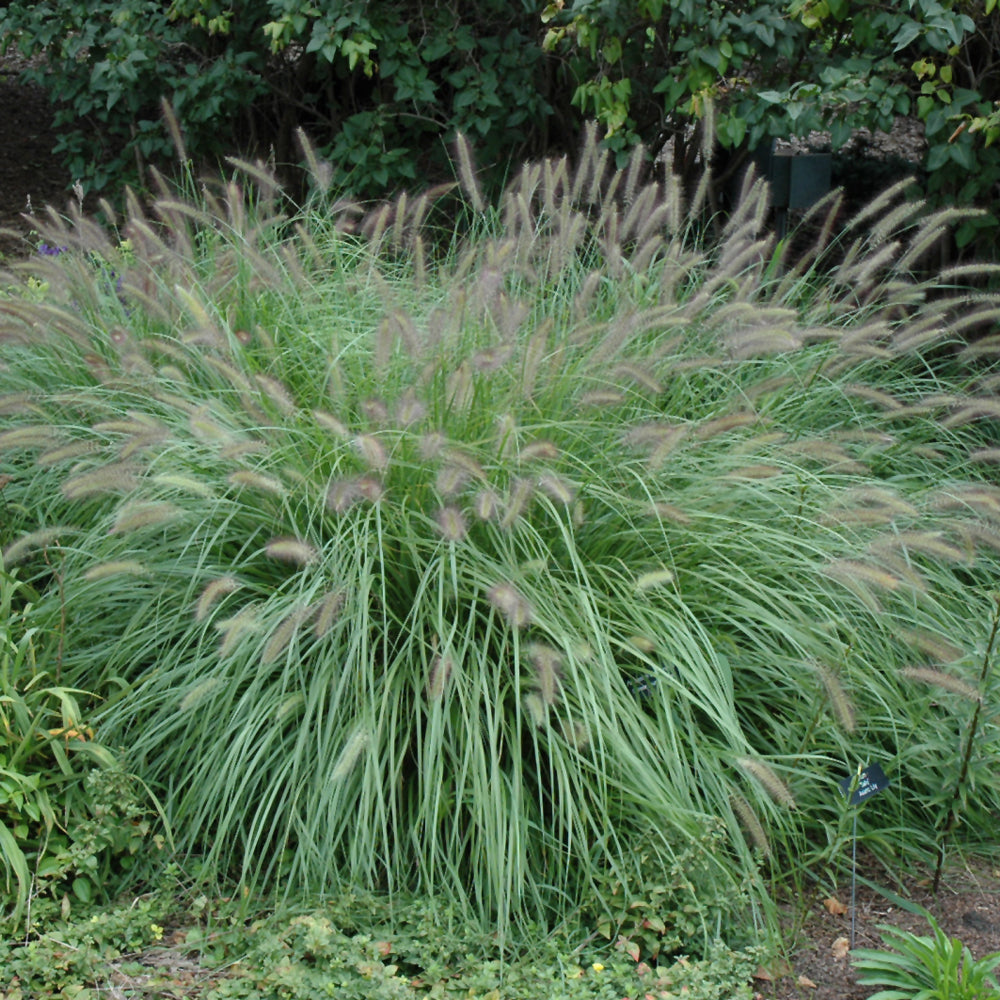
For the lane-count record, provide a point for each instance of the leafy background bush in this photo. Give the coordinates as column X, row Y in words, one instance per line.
column 383, row 88
column 379, row 85
column 505, row 575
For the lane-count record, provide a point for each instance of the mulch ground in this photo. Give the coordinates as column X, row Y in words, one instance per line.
column 966, row 906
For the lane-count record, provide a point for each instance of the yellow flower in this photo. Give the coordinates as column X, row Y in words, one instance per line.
column 157, row 932
column 597, row 967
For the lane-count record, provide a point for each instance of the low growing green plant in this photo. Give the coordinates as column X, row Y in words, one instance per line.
column 69, row 816
column 652, row 911
column 920, row 967
column 175, row 939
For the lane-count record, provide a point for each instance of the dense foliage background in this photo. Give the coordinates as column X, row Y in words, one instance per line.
column 382, row 88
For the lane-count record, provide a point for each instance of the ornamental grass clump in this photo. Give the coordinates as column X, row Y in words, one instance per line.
column 465, row 564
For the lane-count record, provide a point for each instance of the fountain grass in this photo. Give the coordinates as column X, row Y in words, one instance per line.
column 464, row 565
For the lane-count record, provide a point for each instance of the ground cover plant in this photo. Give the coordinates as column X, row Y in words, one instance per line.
column 563, row 567
column 175, row 941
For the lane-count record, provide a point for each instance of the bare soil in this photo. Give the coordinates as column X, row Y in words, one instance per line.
column 818, row 967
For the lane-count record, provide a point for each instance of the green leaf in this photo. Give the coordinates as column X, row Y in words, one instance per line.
column 840, row 132
column 961, row 153
column 907, row 33
column 83, row 889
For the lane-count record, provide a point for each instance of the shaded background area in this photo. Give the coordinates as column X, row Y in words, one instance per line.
column 27, row 167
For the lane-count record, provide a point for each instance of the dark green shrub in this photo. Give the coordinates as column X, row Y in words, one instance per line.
column 381, row 87
column 649, row 70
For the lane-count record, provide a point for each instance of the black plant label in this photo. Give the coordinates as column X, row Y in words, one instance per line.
column 870, row 781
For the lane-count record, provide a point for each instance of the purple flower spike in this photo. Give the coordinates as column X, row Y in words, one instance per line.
column 46, row 251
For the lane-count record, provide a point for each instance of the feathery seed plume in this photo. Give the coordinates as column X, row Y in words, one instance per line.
column 284, row 633
column 467, row 173
column 759, row 471
column 938, row 678
column 639, row 375
column 291, row 550
column 751, row 823
column 212, row 593
column 329, row 422
column 535, row 708
column 277, row 393
column 932, row 645
column 853, row 572
column 534, row 351
column 928, row 542
column 982, row 534
column 431, row 445
column 374, row 410
column 42, row 538
column 451, row 523
column 576, row 734
column 767, row 778
column 111, row 478
column 538, row 451
column 450, row 480
column 437, row 677
column 506, row 436
column 602, row 397
column 839, row 702
column 351, row 753
column 65, row 453
column 492, row 359
column 409, row 410
column 135, row 516
column 373, row 452
column 239, row 449
column 979, row 497
column 197, row 693
column 486, row 505
column 555, row 487
column 462, row 460
column 548, row 668
column 207, row 429
column 668, row 512
column 328, row 613
column 654, row 578
column 344, row 493
column 460, row 387
column 186, row 484
column 244, row 622
column 16, row 402
column 120, row 567
column 520, row 494
column 506, row 598
column 257, row 481
column 721, row 425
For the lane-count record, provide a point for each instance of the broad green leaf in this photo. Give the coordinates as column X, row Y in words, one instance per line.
column 906, row 34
